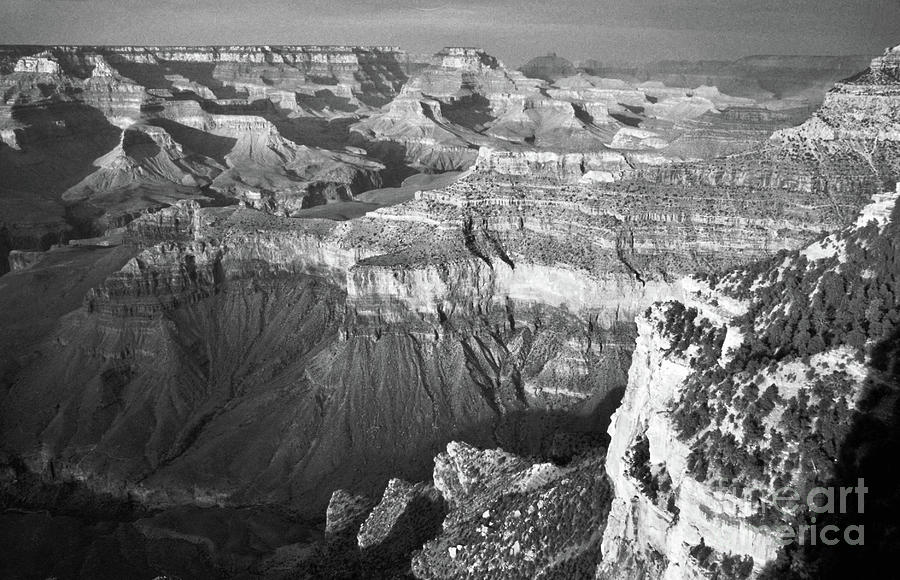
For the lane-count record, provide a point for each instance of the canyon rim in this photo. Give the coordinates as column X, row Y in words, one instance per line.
column 324, row 310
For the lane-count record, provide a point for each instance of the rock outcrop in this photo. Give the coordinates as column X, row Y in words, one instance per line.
column 708, row 433
column 346, row 513
column 511, row 517
column 407, row 516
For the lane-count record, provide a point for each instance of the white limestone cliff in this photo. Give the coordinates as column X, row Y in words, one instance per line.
column 646, row 540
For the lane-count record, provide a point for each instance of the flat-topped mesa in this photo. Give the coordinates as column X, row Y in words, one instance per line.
column 73, row 61
column 53, row 78
column 467, row 58
column 463, row 72
column 291, row 66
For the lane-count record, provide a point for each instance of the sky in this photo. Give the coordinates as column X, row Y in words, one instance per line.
column 514, row 30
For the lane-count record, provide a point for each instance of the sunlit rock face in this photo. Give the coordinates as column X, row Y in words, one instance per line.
column 651, row 536
column 696, row 383
column 601, row 167
column 358, row 74
column 862, row 108
column 887, row 67
column 40, row 64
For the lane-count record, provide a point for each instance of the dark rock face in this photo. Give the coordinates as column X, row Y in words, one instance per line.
column 406, row 517
column 66, row 530
column 201, row 368
column 346, row 513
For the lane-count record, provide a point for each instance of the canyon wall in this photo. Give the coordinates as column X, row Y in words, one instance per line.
column 707, row 435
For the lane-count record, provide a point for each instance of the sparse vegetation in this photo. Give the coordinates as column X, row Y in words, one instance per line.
column 798, row 310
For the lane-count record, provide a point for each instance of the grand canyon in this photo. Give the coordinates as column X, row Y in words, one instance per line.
column 360, row 312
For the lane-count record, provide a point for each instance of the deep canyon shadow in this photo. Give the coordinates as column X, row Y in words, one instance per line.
column 63, row 529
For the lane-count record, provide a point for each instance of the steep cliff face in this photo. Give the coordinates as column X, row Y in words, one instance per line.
column 660, row 512
column 603, row 166
column 752, row 385
column 860, row 109
column 358, row 74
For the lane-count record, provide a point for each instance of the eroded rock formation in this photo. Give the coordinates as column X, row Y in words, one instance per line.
column 496, row 309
